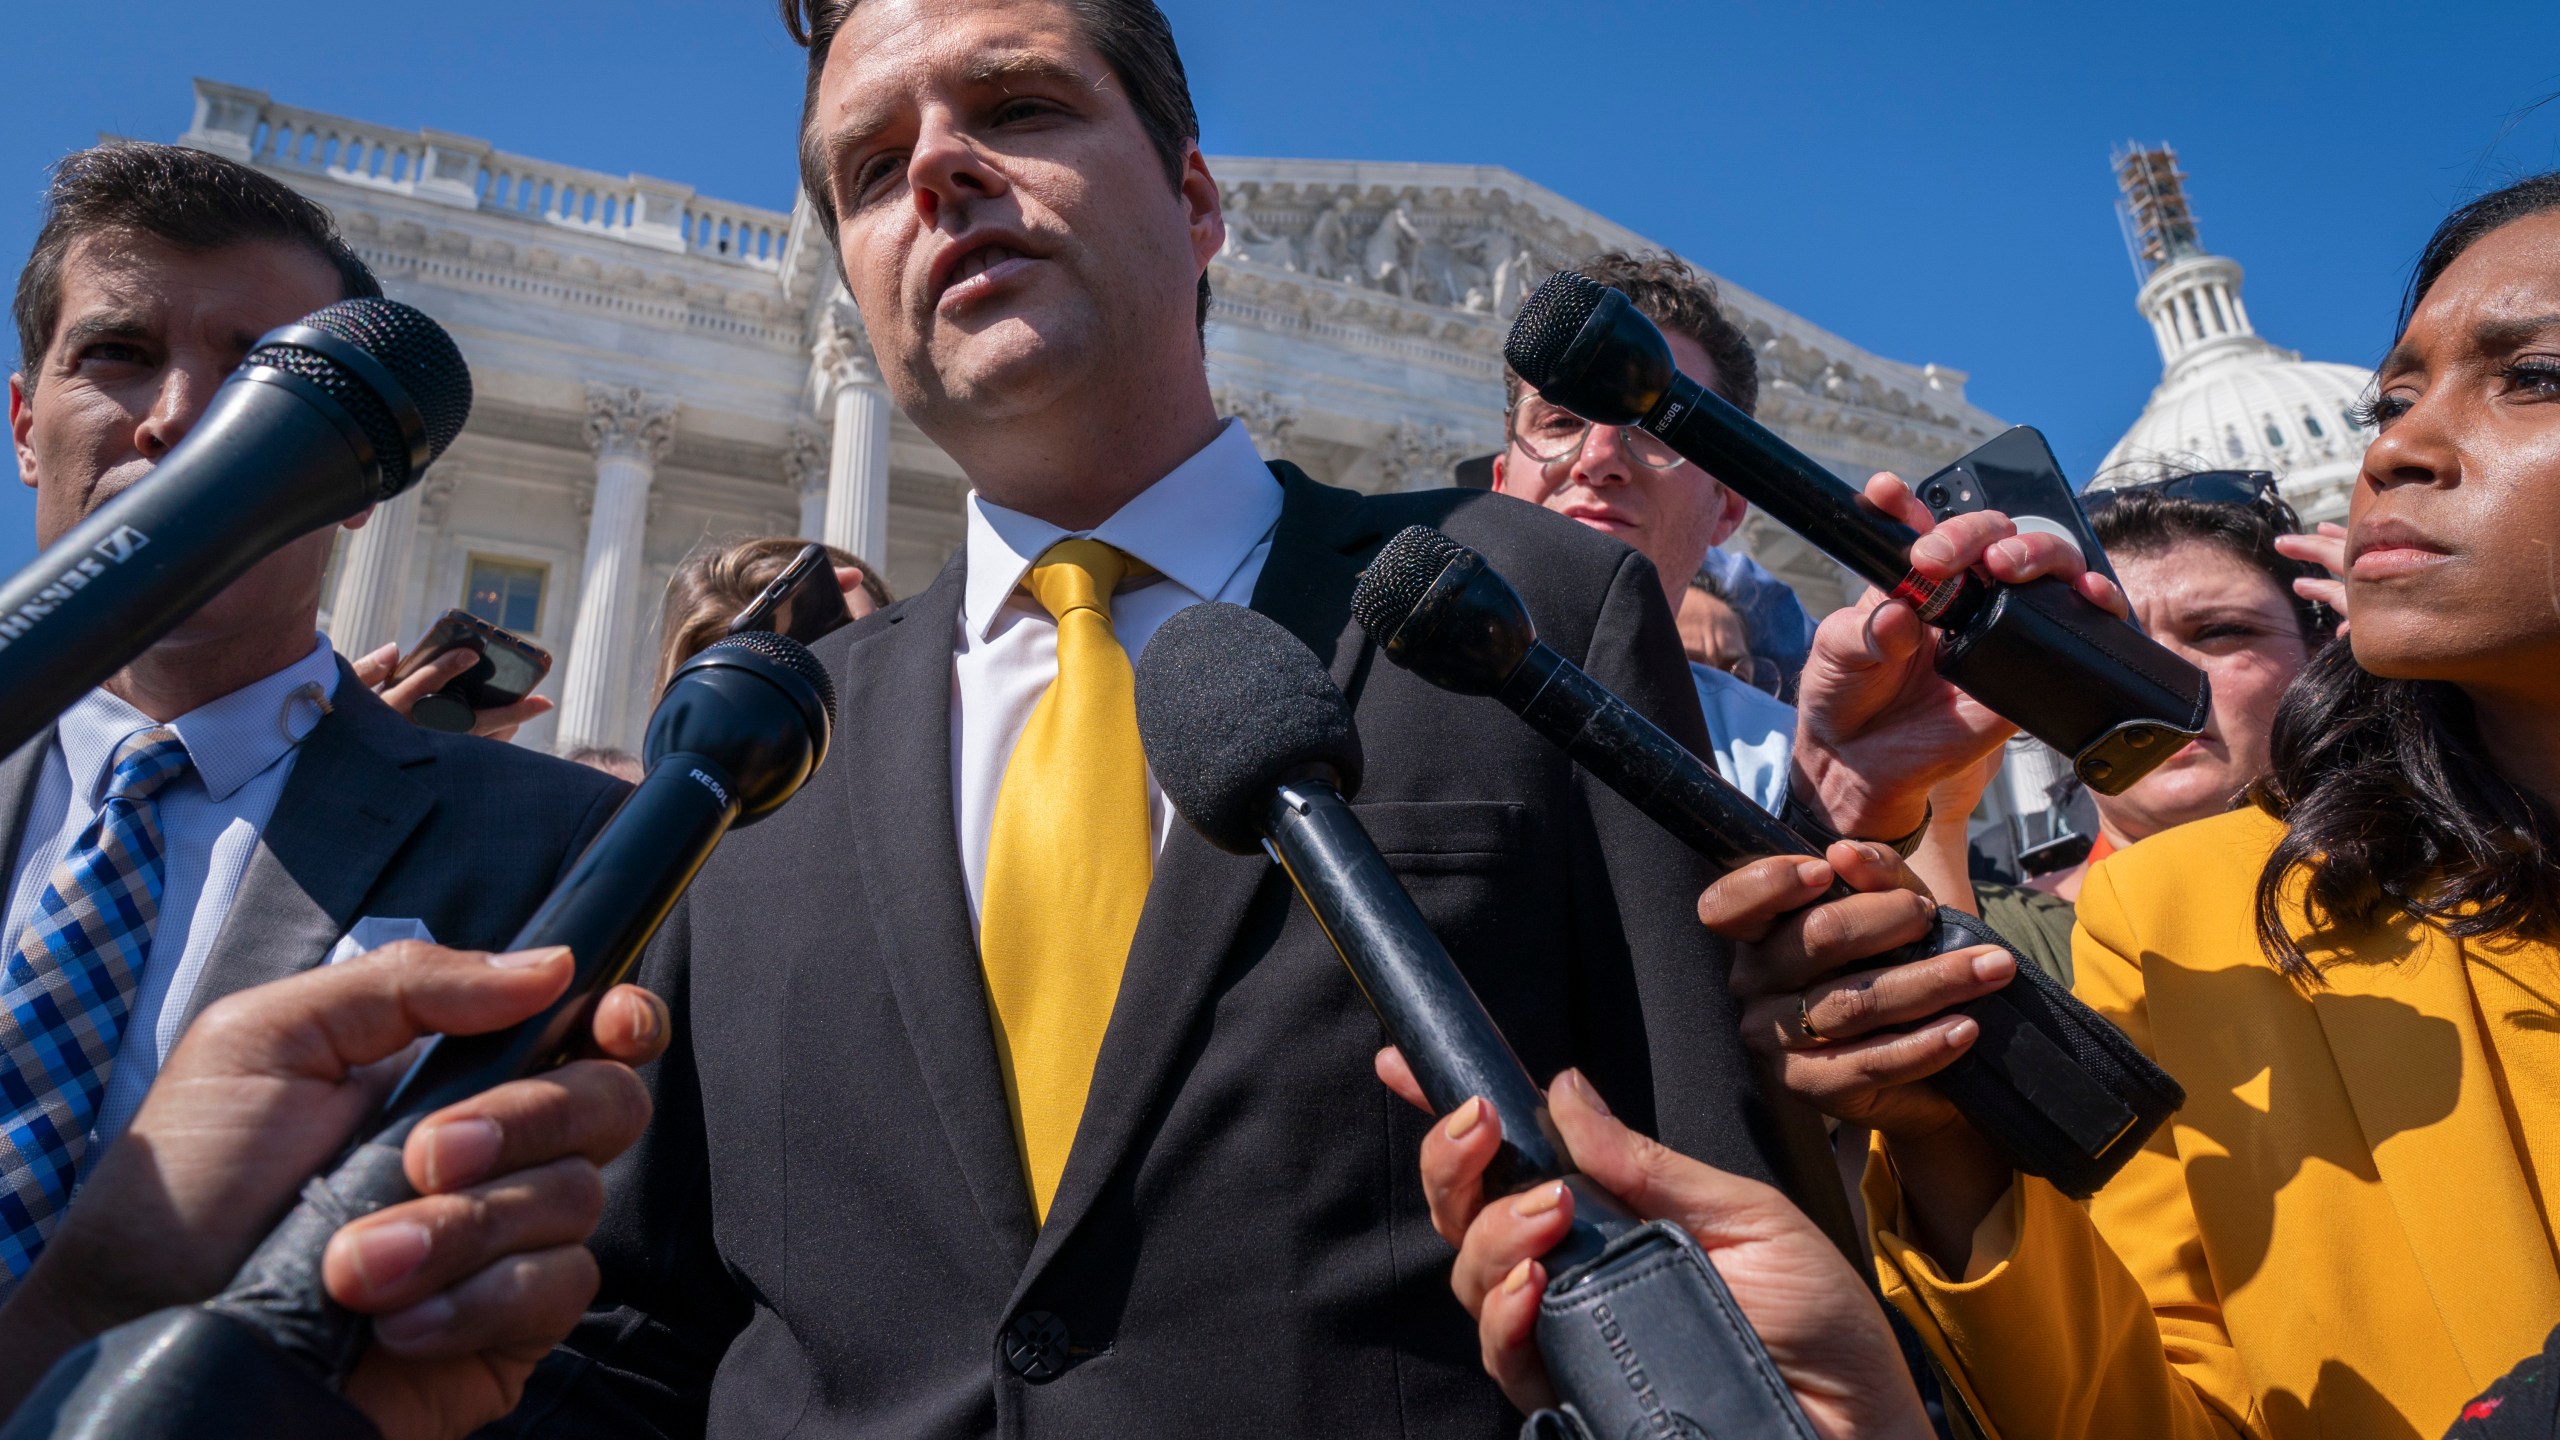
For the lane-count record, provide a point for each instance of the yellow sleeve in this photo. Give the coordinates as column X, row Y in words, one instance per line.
column 2099, row 1322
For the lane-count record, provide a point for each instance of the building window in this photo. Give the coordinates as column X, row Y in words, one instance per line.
column 506, row 593
column 2311, row 423
column 2275, row 436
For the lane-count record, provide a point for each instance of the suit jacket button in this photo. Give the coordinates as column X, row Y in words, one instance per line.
column 1035, row 1346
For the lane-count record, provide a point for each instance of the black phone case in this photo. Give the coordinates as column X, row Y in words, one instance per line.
column 2015, row 473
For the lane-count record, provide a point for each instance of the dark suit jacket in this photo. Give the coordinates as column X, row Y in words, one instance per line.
column 827, row 1230
column 383, row 818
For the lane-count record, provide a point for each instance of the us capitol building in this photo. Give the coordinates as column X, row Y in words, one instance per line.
column 656, row 368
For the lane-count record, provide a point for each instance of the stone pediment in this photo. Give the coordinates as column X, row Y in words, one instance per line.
column 1439, row 257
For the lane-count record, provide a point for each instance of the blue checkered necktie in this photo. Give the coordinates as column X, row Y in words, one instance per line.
column 70, row 985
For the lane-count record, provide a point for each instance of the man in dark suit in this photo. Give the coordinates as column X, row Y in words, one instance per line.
column 233, row 807
column 1000, row 1102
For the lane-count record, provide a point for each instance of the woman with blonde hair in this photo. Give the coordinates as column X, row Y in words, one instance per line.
column 721, row 578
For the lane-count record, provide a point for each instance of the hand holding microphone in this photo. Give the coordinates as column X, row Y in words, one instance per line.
column 741, row 727
column 2056, row 1089
column 1255, row 747
column 469, row 1285
column 2081, row 680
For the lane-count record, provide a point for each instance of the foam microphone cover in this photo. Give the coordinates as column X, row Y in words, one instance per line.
column 405, row 383
column 1230, row 707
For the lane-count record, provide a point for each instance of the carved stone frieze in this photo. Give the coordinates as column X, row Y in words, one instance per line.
column 804, row 459
column 1268, row 418
column 625, row 420
column 1420, row 455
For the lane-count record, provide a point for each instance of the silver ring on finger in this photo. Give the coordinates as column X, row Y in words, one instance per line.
column 1804, row 1020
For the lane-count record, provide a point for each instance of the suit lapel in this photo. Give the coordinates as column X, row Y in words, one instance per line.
column 346, row 810
column 18, row 776
column 909, row 858
column 2480, row 1242
column 1199, row 897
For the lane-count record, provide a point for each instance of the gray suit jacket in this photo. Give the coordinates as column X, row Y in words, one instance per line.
column 383, row 818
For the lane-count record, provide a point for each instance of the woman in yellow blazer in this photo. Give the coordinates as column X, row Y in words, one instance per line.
column 2348, row 1230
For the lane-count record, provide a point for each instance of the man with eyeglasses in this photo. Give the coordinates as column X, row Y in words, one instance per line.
column 1629, row 485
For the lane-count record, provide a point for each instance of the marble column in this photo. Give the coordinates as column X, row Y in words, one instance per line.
column 373, row 577
column 629, row 430
column 845, row 383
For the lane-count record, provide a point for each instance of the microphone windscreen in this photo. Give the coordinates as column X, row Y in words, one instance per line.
column 1547, row 324
column 791, row 655
column 1230, row 707
column 1404, row 571
column 420, row 357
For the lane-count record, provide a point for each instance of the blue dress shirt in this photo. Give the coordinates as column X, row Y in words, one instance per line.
column 1752, row 733
column 241, row 748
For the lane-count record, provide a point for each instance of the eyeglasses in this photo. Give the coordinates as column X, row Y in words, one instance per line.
column 1553, row 435
column 2249, row 489
column 1759, row 672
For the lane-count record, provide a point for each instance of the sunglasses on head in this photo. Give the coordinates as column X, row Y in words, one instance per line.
column 2249, row 489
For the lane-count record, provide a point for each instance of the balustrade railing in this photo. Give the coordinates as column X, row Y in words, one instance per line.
column 455, row 170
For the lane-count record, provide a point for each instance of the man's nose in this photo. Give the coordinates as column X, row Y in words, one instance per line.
column 175, row 407
column 946, row 170
column 1605, row 459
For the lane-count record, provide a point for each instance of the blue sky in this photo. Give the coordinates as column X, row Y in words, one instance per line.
column 1930, row 181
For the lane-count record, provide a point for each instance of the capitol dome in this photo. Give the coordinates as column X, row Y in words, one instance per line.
column 2227, row 399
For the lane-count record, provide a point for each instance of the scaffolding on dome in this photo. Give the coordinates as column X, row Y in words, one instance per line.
column 2158, row 226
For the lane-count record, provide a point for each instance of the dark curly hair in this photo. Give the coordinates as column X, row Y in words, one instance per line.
column 2140, row 520
column 1132, row 36
column 2391, row 804
column 1681, row 301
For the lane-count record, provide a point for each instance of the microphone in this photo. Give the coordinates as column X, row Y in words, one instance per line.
column 2049, row 1082
column 743, row 725
column 2090, row 685
column 342, row 409
column 1255, row 747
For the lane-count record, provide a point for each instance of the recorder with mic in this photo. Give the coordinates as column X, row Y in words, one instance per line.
column 340, row 410
column 1255, row 747
column 742, row 726
column 2049, row 1082
column 2090, row 685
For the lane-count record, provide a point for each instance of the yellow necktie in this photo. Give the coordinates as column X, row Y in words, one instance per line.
column 1068, row 861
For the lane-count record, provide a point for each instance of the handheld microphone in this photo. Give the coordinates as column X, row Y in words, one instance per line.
column 2049, row 1082
column 1255, row 747
column 343, row 409
column 2090, row 685
column 743, row 725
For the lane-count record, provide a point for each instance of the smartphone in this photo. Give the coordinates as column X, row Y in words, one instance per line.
column 510, row 666
column 804, row 602
column 2015, row 473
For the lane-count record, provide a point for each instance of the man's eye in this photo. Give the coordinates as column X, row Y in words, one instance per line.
column 874, row 171
column 112, row 352
column 1013, row 110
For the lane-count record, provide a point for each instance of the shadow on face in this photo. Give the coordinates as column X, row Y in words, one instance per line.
column 147, row 334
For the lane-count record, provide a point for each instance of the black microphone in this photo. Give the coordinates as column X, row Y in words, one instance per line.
column 343, row 409
column 2049, row 1082
column 742, row 726
column 2090, row 685
column 1255, row 747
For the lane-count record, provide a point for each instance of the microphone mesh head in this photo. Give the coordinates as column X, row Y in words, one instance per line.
column 417, row 352
column 1399, row 577
column 791, row 655
column 1547, row 323
column 1230, row 706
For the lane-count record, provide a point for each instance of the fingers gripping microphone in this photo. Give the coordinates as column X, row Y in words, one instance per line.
column 2065, row 671
column 2050, row 1082
column 341, row 410
column 742, row 726
column 1255, row 747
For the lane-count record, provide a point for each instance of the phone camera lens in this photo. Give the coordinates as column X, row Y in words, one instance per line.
column 1936, row 496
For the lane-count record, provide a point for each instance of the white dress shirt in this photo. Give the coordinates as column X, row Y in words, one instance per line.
column 241, row 750
column 1752, row 734
column 1206, row 528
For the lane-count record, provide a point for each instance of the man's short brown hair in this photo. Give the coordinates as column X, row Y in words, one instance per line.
column 188, row 198
column 1132, row 36
column 1683, row 302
